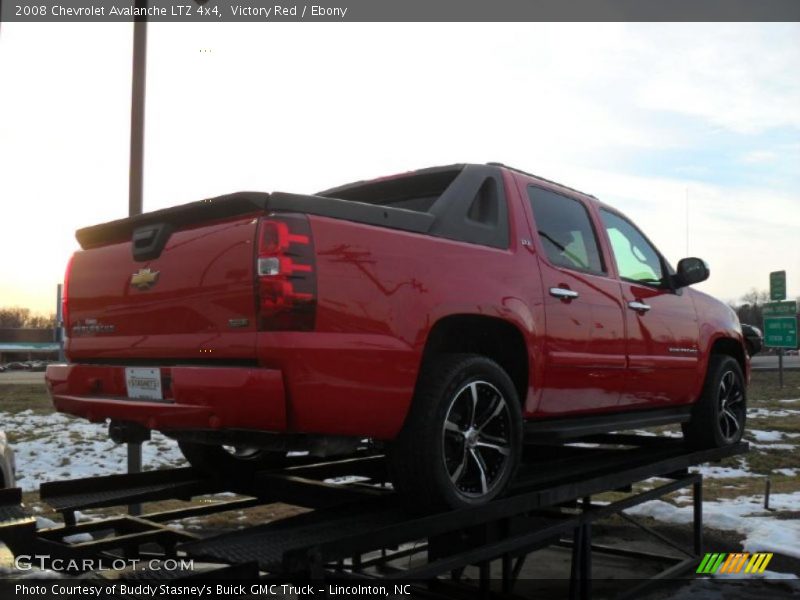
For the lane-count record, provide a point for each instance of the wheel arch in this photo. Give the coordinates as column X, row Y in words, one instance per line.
column 495, row 338
column 730, row 347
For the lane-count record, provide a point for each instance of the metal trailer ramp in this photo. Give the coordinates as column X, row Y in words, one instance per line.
column 357, row 530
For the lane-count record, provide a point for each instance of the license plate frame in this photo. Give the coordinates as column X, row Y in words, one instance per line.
column 144, row 383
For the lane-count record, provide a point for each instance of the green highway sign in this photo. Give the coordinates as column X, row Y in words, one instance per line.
column 777, row 285
column 780, row 309
column 780, row 332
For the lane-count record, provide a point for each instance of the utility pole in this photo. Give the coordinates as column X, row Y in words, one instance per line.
column 136, row 175
column 138, row 84
column 58, row 331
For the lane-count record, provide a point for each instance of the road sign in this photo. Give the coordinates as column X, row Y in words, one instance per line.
column 780, row 332
column 780, row 309
column 780, row 324
column 777, row 285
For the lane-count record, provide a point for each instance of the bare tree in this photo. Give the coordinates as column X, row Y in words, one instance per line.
column 751, row 309
column 17, row 317
column 14, row 316
column 41, row 321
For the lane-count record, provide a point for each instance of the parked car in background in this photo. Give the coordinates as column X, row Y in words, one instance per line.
column 753, row 339
column 442, row 313
column 7, row 465
column 17, row 366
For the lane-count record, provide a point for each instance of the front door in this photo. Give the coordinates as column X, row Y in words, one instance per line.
column 584, row 314
column 662, row 326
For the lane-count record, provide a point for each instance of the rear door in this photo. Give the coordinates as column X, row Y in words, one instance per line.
column 584, row 315
column 662, row 326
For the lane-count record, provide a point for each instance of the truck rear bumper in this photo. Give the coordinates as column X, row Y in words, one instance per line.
column 195, row 397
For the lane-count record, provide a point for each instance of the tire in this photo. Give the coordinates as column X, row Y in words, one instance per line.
column 448, row 454
column 230, row 462
column 718, row 417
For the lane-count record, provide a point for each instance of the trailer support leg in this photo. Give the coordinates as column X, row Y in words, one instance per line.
column 697, row 498
column 574, row 575
column 485, row 579
column 134, row 466
column 508, row 574
column 586, row 563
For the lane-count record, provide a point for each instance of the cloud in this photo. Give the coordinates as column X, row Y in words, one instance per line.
column 759, row 157
column 741, row 77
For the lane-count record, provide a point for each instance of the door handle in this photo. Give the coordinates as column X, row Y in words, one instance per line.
column 563, row 293
column 639, row 306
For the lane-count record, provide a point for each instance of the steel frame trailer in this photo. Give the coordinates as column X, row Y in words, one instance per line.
column 356, row 529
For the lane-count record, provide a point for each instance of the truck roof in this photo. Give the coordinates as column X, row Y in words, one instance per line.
column 540, row 178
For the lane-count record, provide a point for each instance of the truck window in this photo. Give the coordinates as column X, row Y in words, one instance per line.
column 566, row 231
column 637, row 259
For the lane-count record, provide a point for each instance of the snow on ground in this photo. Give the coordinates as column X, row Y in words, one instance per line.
column 790, row 401
column 746, row 515
column 764, row 436
column 773, row 446
column 56, row 446
column 715, row 472
column 757, row 413
column 787, row 472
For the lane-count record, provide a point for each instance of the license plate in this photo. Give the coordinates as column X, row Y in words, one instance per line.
column 143, row 383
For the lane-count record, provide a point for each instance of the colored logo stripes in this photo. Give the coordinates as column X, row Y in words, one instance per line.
column 721, row 562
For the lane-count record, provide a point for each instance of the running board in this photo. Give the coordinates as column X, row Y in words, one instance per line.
column 580, row 426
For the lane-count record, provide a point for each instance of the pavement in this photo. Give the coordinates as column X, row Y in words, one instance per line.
column 9, row 377
column 761, row 361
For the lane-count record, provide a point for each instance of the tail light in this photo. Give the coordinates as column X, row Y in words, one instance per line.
column 65, row 296
column 286, row 274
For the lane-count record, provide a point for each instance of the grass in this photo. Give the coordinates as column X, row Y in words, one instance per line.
column 765, row 461
column 19, row 397
column 790, row 424
column 765, row 391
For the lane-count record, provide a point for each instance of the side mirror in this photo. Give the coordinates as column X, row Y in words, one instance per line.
column 690, row 271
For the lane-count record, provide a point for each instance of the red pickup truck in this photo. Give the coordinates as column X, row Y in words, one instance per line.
column 445, row 314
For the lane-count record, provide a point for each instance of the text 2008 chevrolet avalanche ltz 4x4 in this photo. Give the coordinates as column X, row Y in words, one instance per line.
column 444, row 314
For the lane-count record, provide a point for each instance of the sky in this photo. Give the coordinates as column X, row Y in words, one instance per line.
column 670, row 123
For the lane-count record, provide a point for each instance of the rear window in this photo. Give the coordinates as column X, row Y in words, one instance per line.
column 468, row 202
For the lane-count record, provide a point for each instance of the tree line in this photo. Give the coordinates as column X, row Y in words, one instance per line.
column 17, row 317
column 750, row 307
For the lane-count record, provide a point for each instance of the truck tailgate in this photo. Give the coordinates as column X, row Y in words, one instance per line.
column 194, row 301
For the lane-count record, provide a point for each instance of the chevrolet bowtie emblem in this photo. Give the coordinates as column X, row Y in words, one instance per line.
column 144, row 279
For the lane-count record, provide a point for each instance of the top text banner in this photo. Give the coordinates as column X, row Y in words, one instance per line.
column 398, row 10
